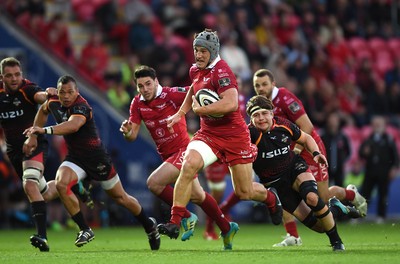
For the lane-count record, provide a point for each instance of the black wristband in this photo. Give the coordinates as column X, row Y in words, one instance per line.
column 315, row 153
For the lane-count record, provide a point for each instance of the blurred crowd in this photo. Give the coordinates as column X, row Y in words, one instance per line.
column 338, row 56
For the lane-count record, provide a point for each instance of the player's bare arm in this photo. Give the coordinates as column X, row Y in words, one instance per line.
column 41, row 97
column 305, row 124
column 183, row 110
column 311, row 146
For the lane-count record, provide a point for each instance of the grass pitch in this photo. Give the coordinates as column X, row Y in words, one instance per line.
column 365, row 243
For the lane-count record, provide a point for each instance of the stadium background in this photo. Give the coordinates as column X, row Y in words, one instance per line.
column 135, row 161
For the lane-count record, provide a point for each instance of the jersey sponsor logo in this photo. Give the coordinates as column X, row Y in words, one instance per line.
column 11, row 114
column 224, row 82
column 150, row 123
column 145, row 109
column 163, row 121
column 205, row 79
column 224, row 74
column 163, row 95
column 294, row 107
column 275, row 153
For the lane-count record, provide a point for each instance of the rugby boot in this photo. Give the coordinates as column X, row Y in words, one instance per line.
column 188, row 225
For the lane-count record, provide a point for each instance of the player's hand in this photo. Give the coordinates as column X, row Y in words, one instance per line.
column 51, row 91
column 172, row 120
column 195, row 105
column 126, row 127
column 321, row 159
column 34, row 130
column 30, row 145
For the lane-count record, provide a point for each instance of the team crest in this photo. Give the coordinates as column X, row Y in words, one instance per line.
column 181, row 89
column 284, row 138
column 16, row 102
column 294, row 107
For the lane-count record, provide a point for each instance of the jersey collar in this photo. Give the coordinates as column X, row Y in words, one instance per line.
column 159, row 90
column 275, row 91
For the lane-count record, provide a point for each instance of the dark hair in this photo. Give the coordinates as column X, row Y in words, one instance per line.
column 258, row 102
column 264, row 72
column 9, row 62
column 66, row 79
column 145, row 71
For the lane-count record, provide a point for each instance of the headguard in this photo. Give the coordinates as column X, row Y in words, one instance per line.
column 209, row 40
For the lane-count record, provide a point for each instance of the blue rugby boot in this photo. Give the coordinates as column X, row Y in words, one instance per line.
column 228, row 237
column 188, row 225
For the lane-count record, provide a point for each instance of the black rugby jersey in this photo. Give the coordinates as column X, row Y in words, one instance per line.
column 17, row 113
column 86, row 141
column 274, row 156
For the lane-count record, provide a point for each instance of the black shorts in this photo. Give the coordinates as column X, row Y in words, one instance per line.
column 290, row 198
column 17, row 157
column 97, row 167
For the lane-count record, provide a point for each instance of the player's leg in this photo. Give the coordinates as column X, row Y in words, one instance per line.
column 210, row 206
column 115, row 190
column 242, row 181
column 215, row 175
column 292, row 237
column 198, row 155
column 34, row 184
column 68, row 174
column 306, row 186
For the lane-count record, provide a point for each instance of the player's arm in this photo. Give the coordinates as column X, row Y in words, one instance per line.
column 183, row 110
column 41, row 116
column 306, row 126
column 42, row 96
column 40, row 120
column 311, row 146
column 74, row 123
column 187, row 102
column 228, row 103
column 129, row 130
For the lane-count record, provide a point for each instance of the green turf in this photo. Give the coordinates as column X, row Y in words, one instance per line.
column 365, row 243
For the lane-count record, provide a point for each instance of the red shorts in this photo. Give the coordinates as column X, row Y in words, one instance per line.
column 231, row 150
column 176, row 159
column 216, row 172
column 320, row 173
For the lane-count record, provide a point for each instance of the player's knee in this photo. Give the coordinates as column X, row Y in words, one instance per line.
column 154, row 186
column 191, row 167
column 34, row 175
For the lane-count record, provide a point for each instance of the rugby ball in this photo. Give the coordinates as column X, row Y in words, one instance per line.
column 206, row 97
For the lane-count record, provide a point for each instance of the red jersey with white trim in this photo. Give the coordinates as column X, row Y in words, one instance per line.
column 154, row 115
column 288, row 106
column 219, row 78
